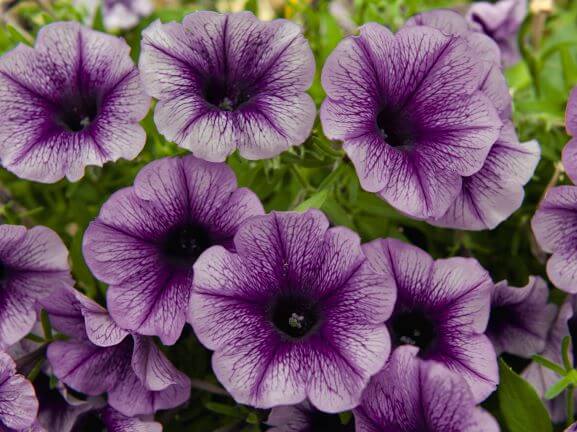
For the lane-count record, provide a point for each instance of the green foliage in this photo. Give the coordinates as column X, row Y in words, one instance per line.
column 522, row 409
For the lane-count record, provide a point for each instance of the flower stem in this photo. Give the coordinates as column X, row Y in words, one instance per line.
column 208, row 387
column 570, row 405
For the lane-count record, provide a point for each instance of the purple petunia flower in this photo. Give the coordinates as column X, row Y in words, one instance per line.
column 117, row 14
column 442, row 308
column 100, row 357
column 411, row 112
column 570, row 149
column 148, row 236
column 18, row 403
column 520, row 318
column 72, row 101
column 492, row 194
column 33, row 262
column 116, row 422
column 543, row 378
column 305, row 418
column 125, row 14
column 230, row 81
column 412, row 395
column 59, row 410
column 62, row 412
column 501, row 22
column 555, row 227
column 297, row 312
column 572, row 428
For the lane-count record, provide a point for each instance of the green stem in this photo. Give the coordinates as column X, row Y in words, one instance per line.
column 333, row 176
column 46, row 327
column 300, row 177
column 565, row 353
column 570, row 405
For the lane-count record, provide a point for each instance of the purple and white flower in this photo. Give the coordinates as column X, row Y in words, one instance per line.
column 305, row 418
column 412, row 395
column 570, row 150
column 148, row 236
column 442, row 308
column 18, row 403
column 555, row 227
column 411, row 112
column 492, row 194
column 100, row 357
column 501, row 22
column 73, row 100
column 520, row 318
column 230, row 81
column 116, row 422
column 297, row 312
column 33, row 263
column 543, row 378
column 60, row 411
column 117, row 14
column 125, row 14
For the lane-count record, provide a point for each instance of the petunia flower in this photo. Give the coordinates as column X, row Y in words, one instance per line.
column 33, row 263
column 229, row 81
column 570, row 149
column 409, row 109
column 297, row 312
column 100, row 357
column 442, row 308
column 117, row 14
column 148, row 236
column 501, row 22
column 542, row 378
column 412, row 395
column 60, row 411
column 18, row 403
column 520, row 318
column 116, row 422
column 125, row 14
column 305, row 418
column 572, row 428
column 555, row 227
column 492, row 194
column 73, row 100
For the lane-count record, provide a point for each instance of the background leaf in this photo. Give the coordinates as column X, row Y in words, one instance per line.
column 522, row 408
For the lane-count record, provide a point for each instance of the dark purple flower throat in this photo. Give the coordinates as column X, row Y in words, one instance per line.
column 413, row 328
column 294, row 316
column 184, row 244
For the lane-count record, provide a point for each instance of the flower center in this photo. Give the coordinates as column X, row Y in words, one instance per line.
column 183, row 245
column 413, row 328
column 227, row 97
column 500, row 317
column 3, row 271
column 294, row 316
column 77, row 112
column 395, row 128
column 323, row 422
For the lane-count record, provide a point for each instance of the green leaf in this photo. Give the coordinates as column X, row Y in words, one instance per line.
column 565, row 345
column 557, row 388
column 18, row 36
column 549, row 364
column 227, row 410
column 522, row 408
column 315, row 201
